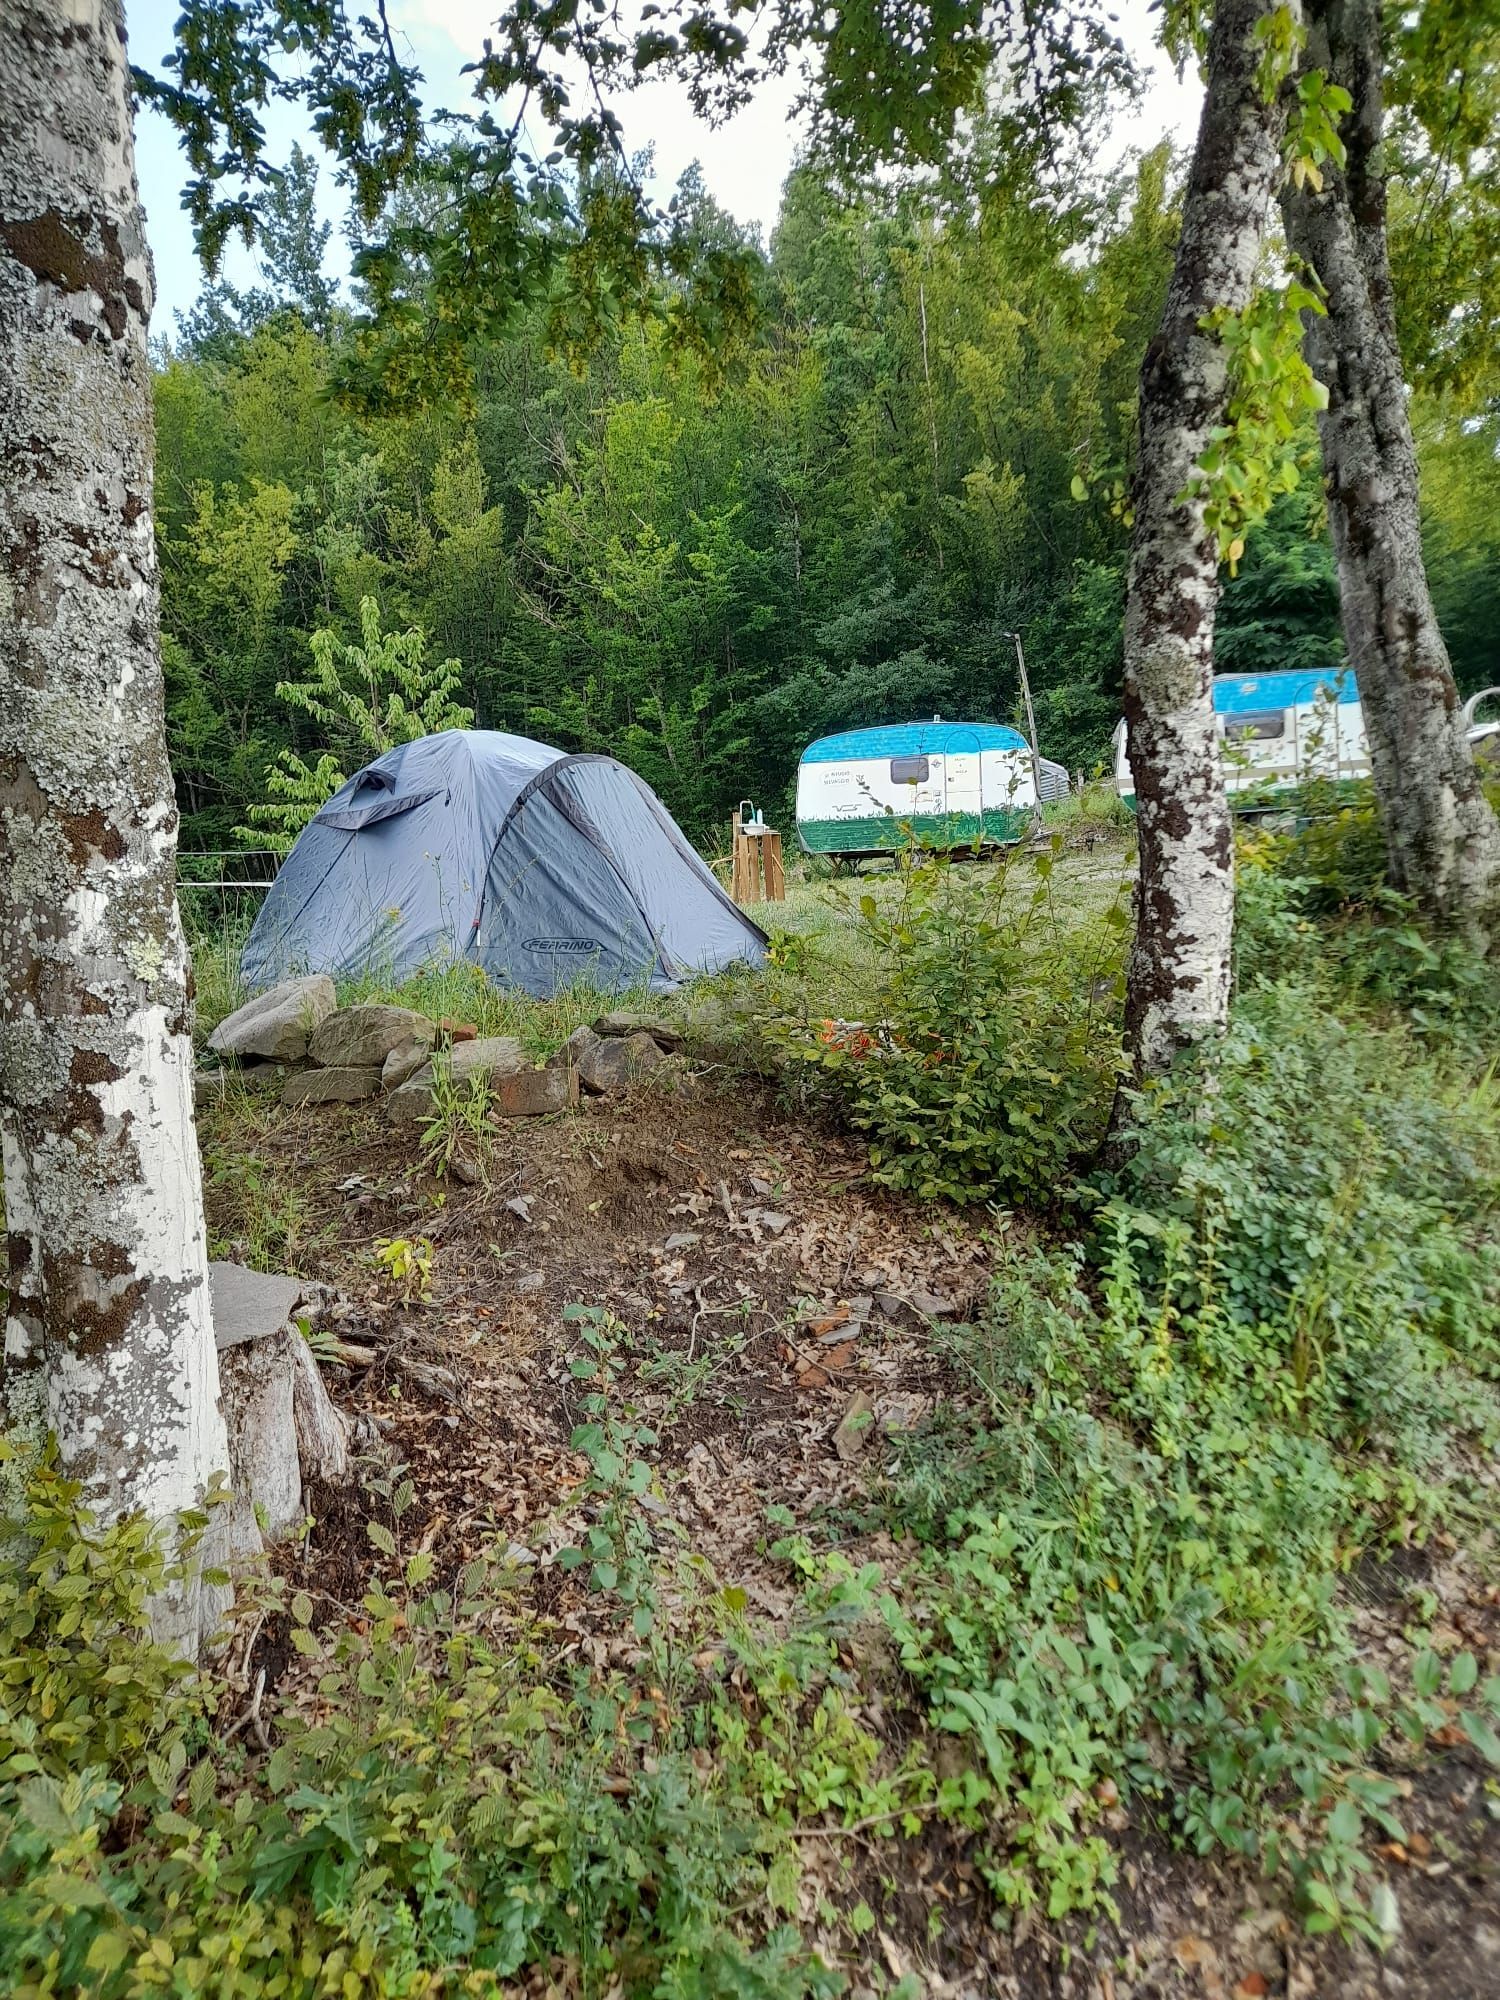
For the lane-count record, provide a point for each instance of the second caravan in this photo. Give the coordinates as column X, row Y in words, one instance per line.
column 1279, row 731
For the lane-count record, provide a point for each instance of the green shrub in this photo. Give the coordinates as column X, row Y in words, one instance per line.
column 437, row 1820
column 1315, row 899
column 989, row 1065
column 1132, row 1578
column 1138, row 1596
column 73, row 1608
column 1335, row 853
column 1339, row 1189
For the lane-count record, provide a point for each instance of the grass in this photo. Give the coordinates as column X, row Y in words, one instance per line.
column 819, row 942
column 458, row 992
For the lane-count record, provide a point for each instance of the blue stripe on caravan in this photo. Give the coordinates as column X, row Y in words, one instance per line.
column 912, row 739
column 1236, row 694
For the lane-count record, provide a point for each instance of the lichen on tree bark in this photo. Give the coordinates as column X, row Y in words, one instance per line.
column 108, row 1338
column 1442, row 839
column 1179, row 973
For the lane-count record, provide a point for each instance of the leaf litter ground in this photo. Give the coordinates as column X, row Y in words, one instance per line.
column 781, row 1319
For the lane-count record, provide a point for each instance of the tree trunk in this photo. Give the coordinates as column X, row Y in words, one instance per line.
column 1442, row 839
column 109, row 1341
column 1180, row 961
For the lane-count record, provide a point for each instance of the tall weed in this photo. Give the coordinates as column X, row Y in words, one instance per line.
column 990, row 1061
column 440, row 1820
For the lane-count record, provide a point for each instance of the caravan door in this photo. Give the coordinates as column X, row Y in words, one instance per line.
column 963, row 785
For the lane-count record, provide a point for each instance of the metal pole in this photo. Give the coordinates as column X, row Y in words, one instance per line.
column 1036, row 762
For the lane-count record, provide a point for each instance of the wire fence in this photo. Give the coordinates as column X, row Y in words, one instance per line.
column 220, row 887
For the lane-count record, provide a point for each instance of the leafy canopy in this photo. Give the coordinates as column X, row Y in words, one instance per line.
column 497, row 224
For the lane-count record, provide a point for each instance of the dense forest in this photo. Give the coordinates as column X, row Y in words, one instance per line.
column 914, row 450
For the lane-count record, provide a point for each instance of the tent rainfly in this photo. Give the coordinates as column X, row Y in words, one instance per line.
column 539, row 867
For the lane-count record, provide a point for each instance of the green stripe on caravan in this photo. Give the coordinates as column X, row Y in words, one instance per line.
column 883, row 835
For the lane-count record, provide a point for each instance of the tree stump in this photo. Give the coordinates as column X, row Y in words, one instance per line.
column 283, row 1427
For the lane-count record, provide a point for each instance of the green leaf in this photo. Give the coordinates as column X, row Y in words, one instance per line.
column 1481, row 1735
column 1427, row 1672
column 107, row 1952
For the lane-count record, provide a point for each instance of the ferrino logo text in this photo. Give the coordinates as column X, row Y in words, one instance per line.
column 567, row 947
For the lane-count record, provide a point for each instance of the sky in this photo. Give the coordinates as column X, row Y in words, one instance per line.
column 744, row 162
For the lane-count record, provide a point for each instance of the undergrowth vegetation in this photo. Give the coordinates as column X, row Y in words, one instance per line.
column 989, row 1060
column 1111, row 1579
column 447, row 1808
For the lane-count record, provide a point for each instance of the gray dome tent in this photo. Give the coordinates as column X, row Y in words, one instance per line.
column 539, row 867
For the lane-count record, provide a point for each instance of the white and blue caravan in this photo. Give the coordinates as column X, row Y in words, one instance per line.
column 1278, row 731
column 953, row 784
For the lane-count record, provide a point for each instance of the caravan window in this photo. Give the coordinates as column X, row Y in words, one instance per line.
column 1263, row 726
column 908, row 770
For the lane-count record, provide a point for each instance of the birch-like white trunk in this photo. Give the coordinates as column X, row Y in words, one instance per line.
column 1179, row 968
column 108, row 1338
column 1442, row 839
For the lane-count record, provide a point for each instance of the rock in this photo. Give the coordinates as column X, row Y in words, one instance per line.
column 685, row 1239
column 573, row 1050
column 853, row 1433
column 770, row 1219
column 413, row 1103
column 362, row 1037
column 934, row 1305
column 491, row 1057
column 488, row 1055
column 403, row 1063
column 258, row 1079
column 466, row 1165
column 533, row 1093
column 621, row 1025
column 265, row 1079
column 276, row 1024
column 248, row 1305
column 330, row 1086
column 457, row 1031
column 612, row 1064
